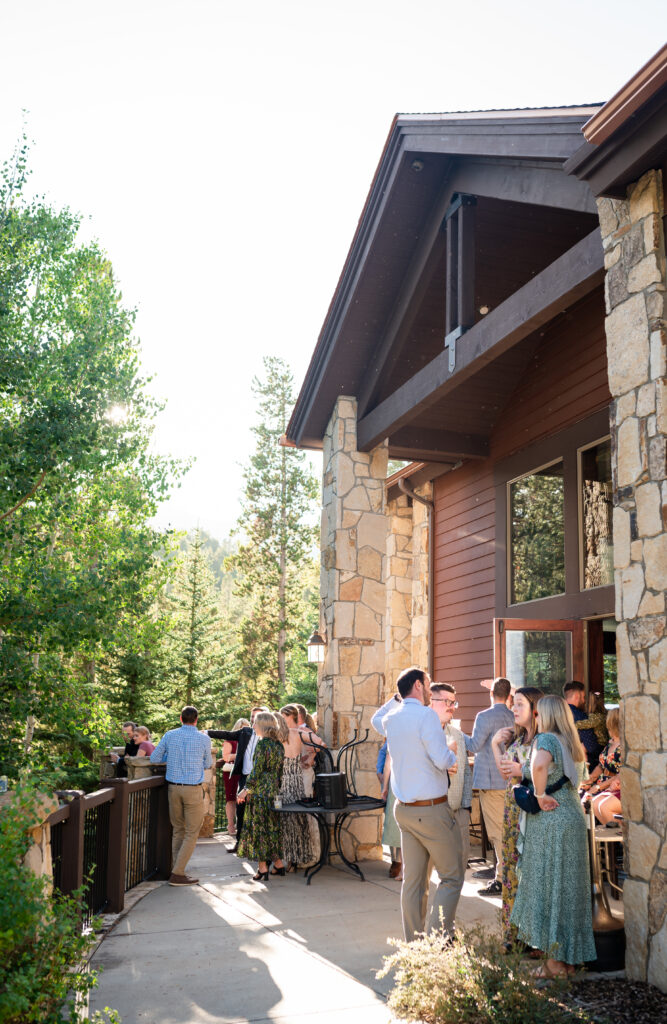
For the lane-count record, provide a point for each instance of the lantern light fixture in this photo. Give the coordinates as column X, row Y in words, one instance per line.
column 316, row 648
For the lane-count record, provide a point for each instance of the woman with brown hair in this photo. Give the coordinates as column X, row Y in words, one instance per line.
column 261, row 837
column 511, row 750
column 604, row 784
column 552, row 907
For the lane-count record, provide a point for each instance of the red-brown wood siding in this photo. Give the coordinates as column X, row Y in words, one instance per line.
column 565, row 381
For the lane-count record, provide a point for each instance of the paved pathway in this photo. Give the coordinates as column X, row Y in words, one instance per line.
column 234, row 951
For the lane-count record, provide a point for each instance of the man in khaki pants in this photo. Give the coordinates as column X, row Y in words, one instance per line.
column 420, row 758
column 187, row 753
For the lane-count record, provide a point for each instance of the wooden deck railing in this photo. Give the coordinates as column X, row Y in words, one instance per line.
column 112, row 839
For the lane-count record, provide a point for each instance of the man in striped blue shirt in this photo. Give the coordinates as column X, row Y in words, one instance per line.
column 187, row 753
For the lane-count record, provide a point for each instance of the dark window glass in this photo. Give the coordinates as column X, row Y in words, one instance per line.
column 539, row 658
column 537, row 548
column 596, row 498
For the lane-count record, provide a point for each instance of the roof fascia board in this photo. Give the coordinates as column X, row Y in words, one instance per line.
column 630, row 97
column 567, row 279
column 533, row 146
column 610, row 167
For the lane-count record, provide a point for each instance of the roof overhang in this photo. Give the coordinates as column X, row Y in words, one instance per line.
column 628, row 135
column 421, row 152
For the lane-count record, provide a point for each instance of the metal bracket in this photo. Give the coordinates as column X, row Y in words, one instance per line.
column 450, row 344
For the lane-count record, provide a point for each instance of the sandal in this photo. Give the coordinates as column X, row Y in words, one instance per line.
column 544, row 973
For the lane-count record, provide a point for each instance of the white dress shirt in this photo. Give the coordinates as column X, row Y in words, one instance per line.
column 249, row 755
column 419, row 753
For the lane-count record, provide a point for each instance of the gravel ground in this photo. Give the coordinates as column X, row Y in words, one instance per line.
column 618, row 1001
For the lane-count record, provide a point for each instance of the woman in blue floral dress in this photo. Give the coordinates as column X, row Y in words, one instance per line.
column 261, row 837
column 552, row 908
column 511, row 761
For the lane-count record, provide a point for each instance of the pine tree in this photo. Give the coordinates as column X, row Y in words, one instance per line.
column 196, row 662
column 274, row 564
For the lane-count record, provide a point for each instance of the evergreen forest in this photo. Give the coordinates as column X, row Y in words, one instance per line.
column 103, row 616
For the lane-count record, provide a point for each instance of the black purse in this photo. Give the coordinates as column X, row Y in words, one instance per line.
column 524, row 794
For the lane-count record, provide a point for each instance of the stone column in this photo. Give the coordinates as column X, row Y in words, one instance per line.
column 353, row 543
column 635, row 291
column 398, row 586
column 420, row 579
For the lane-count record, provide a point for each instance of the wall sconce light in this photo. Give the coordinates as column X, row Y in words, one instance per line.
column 316, row 648
column 484, row 310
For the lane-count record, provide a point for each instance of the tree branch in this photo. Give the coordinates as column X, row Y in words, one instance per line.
column 27, row 497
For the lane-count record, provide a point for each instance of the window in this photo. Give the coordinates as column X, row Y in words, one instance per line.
column 537, row 534
column 595, row 495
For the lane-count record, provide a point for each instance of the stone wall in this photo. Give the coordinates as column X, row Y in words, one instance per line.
column 353, row 604
column 634, row 250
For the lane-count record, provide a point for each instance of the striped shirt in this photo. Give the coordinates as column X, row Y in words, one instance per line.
column 187, row 753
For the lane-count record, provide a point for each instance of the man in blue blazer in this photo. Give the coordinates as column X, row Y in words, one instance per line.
column 486, row 778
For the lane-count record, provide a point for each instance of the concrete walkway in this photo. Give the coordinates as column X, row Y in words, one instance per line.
column 235, row 951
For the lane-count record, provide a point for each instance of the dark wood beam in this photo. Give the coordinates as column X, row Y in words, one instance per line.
column 407, row 303
column 548, row 146
column 563, row 282
column 423, row 445
column 519, row 182
column 466, row 264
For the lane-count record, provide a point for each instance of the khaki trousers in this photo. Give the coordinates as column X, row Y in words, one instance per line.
column 462, row 816
column 186, row 813
column 492, row 802
column 429, row 833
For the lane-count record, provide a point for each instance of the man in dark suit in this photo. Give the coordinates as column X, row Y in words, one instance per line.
column 246, row 740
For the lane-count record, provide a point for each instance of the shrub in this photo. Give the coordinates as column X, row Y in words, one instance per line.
column 43, row 975
column 472, row 982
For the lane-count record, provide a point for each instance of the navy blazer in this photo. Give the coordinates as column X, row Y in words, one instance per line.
column 485, row 774
column 242, row 736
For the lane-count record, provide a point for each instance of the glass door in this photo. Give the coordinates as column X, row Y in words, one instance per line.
column 539, row 652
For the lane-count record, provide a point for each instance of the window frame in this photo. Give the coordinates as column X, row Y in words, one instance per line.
column 508, row 512
column 580, row 490
column 575, row 603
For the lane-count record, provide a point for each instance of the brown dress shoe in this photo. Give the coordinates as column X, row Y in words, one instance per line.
column 182, row 880
column 395, row 869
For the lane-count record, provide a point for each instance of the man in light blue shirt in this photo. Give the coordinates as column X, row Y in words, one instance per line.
column 188, row 754
column 420, row 757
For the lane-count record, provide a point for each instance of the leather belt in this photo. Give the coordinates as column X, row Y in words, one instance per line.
column 185, row 783
column 426, row 803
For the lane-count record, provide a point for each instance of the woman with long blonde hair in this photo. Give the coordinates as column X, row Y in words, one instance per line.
column 261, row 837
column 552, row 906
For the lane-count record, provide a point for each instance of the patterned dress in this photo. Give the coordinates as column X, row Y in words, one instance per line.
column 298, row 845
column 552, row 907
column 610, row 761
column 261, row 838
column 520, row 753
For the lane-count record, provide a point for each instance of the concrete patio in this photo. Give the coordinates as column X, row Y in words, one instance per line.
column 235, row 951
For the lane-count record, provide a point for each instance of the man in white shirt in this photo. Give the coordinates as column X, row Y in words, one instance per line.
column 420, row 757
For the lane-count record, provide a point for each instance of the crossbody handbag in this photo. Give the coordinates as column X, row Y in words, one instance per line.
column 524, row 794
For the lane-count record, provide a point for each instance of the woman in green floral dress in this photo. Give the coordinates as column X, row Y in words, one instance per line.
column 552, row 908
column 261, row 837
column 511, row 761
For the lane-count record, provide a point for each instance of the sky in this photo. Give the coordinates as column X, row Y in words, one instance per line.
column 221, row 152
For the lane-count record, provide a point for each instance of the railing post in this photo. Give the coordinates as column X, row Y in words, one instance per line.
column 71, row 877
column 163, row 838
column 118, row 814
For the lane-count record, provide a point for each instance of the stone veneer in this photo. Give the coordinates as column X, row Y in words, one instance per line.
column 353, row 605
column 634, row 248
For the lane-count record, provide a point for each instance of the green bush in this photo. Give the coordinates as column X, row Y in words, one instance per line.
column 472, row 982
column 43, row 974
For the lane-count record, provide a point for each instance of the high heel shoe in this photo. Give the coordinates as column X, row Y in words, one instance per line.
column 261, row 876
column 278, row 871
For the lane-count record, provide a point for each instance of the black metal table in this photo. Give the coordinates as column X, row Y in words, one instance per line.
column 339, row 815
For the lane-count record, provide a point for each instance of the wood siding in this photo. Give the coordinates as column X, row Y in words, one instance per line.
column 565, row 381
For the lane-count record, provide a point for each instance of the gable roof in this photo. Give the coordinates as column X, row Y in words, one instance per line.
column 420, row 155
